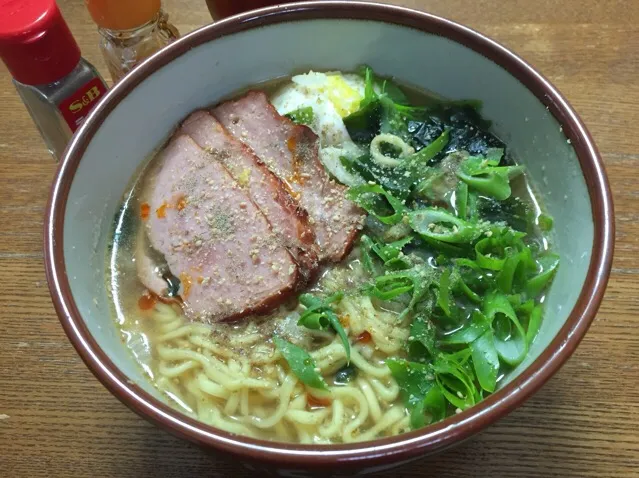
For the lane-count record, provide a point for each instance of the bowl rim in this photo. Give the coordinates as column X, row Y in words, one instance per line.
column 402, row 447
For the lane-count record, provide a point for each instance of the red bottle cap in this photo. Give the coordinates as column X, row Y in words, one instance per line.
column 35, row 41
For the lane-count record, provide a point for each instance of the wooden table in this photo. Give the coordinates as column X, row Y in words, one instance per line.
column 57, row 420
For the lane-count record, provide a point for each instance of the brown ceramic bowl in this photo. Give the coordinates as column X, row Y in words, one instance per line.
column 139, row 112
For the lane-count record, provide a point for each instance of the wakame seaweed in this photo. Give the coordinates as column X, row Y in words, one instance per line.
column 451, row 244
column 465, row 126
column 385, row 109
column 513, row 211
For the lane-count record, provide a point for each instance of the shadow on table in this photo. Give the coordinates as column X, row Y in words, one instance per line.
column 531, row 442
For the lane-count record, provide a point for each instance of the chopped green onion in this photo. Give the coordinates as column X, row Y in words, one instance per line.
column 370, row 197
column 545, row 222
column 485, row 360
column 319, row 316
column 455, row 380
column 469, row 333
column 483, row 176
column 461, row 200
column 301, row 363
column 534, row 324
column 419, row 391
column 548, row 265
column 442, row 226
column 510, row 337
column 422, row 340
column 303, row 115
column 390, row 286
column 443, row 296
column 420, row 159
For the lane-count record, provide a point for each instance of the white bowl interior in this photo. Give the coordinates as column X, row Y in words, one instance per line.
column 203, row 75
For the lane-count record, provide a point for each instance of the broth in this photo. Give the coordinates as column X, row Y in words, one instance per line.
column 231, row 376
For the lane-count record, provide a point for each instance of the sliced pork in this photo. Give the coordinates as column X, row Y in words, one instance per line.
column 214, row 237
column 288, row 220
column 291, row 152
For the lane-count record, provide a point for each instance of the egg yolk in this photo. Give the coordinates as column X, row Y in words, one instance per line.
column 345, row 98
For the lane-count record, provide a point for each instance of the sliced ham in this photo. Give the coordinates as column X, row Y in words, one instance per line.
column 288, row 220
column 214, row 238
column 291, row 152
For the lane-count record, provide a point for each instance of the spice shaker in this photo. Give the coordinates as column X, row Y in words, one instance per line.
column 56, row 84
column 130, row 31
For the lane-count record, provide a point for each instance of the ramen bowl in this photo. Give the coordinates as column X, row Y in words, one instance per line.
column 134, row 118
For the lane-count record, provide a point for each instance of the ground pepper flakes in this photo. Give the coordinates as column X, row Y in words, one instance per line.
column 187, row 282
column 291, row 143
column 296, row 177
column 146, row 301
column 364, row 338
column 145, row 210
column 161, row 211
column 315, row 402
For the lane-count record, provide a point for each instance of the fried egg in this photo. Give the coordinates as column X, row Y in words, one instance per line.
column 332, row 96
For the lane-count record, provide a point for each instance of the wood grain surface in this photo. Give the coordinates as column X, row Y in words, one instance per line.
column 56, row 420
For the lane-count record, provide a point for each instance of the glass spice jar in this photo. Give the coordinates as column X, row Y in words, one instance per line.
column 58, row 86
column 130, row 31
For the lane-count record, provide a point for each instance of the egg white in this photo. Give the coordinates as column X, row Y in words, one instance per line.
column 311, row 89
